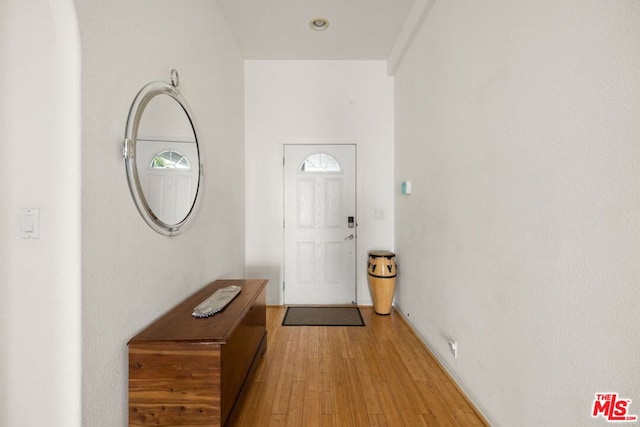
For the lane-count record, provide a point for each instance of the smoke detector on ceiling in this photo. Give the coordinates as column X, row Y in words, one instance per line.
column 319, row 24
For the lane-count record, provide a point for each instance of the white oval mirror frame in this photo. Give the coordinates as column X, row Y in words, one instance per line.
column 173, row 223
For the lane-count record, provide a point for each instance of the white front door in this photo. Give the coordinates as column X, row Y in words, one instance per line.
column 168, row 173
column 319, row 224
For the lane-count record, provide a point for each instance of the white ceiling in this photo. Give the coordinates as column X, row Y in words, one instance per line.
column 279, row 29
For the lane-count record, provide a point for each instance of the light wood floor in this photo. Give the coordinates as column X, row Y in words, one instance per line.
column 377, row 375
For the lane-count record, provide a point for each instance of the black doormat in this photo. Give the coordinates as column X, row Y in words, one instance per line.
column 322, row 316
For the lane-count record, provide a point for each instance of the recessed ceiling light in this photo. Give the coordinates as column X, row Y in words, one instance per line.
column 319, row 24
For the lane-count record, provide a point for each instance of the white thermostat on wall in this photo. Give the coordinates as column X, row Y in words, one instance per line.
column 405, row 187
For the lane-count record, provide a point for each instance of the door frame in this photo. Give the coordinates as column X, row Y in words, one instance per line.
column 319, row 142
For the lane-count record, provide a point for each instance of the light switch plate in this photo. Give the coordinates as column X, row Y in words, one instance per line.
column 30, row 223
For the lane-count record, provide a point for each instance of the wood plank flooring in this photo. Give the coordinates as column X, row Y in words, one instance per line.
column 377, row 375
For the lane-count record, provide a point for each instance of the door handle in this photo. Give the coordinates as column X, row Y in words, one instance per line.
column 349, row 237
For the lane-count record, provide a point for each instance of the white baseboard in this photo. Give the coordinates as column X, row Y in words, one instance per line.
column 447, row 368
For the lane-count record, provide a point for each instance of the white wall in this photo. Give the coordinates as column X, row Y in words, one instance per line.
column 131, row 275
column 40, row 279
column 519, row 125
column 316, row 102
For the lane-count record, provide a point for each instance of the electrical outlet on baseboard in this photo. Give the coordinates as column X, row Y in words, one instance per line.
column 453, row 347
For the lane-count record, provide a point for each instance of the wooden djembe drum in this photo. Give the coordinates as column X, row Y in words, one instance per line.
column 382, row 279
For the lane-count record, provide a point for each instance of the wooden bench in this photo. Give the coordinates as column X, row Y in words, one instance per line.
column 189, row 371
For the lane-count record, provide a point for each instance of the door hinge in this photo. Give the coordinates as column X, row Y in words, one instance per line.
column 283, row 162
column 282, row 222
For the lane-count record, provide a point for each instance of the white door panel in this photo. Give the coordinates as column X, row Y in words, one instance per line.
column 168, row 191
column 319, row 252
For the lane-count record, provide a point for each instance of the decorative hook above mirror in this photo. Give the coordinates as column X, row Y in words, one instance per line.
column 162, row 157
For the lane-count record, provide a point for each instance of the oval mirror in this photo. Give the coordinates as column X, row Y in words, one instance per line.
column 162, row 157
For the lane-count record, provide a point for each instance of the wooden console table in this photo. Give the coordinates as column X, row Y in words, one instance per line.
column 189, row 371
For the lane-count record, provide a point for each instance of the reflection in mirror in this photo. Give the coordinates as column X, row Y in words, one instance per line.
column 170, row 159
column 162, row 157
column 163, row 152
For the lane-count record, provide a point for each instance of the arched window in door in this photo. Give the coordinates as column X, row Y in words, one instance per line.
column 320, row 162
column 169, row 160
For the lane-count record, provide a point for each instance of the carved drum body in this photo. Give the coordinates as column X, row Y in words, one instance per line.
column 382, row 271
